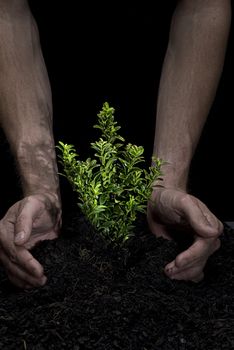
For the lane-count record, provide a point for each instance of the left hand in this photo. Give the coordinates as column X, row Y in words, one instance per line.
column 29, row 221
column 171, row 209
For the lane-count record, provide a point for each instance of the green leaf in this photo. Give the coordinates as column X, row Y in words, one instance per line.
column 111, row 188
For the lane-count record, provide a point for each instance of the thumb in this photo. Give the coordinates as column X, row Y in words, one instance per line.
column 200, row 218
column 24, row 222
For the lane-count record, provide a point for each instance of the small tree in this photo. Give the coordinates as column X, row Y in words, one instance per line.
column 111, row 188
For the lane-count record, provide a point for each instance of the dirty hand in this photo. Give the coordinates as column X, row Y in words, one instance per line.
column 170, row 208
column 29, row 221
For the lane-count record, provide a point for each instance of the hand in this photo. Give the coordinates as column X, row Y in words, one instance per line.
column 170, row 208
column 29, row 221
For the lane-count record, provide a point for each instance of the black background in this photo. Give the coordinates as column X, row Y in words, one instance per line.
column 98, row 52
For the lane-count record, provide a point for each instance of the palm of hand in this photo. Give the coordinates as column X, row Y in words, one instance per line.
column 175, row 208
column 36, row 216
column 164, row 211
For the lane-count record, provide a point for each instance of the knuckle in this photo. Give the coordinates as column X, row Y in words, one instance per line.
column 186, row 199
column 21, row 218
column 217, row 233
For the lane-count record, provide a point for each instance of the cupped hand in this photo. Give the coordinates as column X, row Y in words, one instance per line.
column 169, row 209
column 29, row 221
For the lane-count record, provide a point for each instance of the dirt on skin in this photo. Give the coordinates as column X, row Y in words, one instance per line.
column 102, row 298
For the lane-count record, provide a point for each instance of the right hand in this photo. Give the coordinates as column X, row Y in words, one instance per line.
column 29, row 221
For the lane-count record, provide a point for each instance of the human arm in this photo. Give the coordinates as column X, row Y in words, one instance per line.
column 26, row 118
column 192, row 68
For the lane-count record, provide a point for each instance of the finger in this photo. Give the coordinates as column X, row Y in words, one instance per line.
column 19, row 276
column 189, row 264
column 157, row 229
column 39, row 237
column 28, row 263
column 24, row 222
column 21, row 257
column 190, row 274
column 23, row 284
column 192, row 269
column 200, row 218
column 187, row 273
column 19, row 283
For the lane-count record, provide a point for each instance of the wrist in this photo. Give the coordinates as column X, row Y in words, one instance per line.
column 173, row 176
column 53, row 194
column 37, row 167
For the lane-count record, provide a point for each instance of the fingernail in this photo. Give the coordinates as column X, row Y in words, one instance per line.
column 19, row 236
column 169, row 270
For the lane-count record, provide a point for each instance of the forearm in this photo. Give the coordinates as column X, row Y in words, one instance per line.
column 190, row 75
column 25, row 102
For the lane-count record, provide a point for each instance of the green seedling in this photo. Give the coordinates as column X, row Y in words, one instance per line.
column 112, row 188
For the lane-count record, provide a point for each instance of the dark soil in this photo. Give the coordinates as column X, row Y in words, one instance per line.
column 102, row 298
